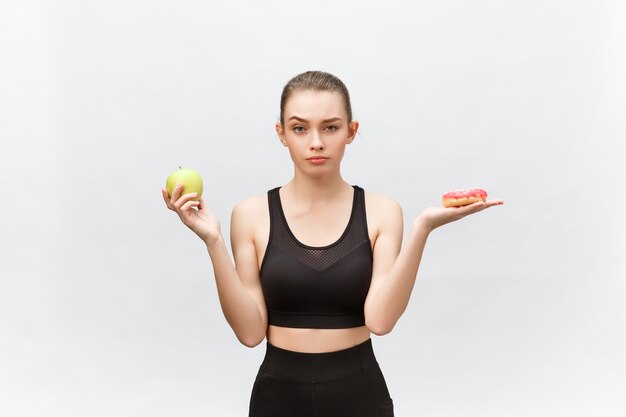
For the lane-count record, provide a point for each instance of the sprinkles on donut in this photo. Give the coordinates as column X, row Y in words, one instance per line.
column 463, row 197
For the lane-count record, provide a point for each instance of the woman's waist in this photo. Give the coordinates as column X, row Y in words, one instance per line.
column 319, row 366
column 307, row 340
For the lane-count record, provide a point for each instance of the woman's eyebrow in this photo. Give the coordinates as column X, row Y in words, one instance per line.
column 333, row 119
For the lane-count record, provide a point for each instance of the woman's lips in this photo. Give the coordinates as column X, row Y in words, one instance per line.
column 317, row 161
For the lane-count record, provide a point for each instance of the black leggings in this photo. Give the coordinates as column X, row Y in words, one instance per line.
column 345, row 383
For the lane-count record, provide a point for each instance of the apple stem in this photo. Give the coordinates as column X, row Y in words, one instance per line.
column 179, row 167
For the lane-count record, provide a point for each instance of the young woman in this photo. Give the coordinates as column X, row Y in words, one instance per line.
column 318, row 265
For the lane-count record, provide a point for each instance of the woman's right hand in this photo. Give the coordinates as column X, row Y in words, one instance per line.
column 201, row 221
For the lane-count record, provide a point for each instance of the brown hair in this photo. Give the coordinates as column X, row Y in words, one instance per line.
column 316, row 81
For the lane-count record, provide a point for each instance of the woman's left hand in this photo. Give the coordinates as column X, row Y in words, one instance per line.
column 433, row 217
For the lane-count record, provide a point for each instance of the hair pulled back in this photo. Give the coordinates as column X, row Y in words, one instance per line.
column 316, row 81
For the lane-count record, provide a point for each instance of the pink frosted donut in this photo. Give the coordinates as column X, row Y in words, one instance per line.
column 463, row 197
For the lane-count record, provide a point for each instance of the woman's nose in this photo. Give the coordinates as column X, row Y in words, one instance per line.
column 316, row 141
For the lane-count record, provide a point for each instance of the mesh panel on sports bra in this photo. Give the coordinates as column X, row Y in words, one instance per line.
column 322, row 257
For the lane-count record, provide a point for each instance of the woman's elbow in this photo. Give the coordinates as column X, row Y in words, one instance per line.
column 251, row 340
column 379, row 329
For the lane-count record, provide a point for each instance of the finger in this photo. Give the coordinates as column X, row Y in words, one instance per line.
column 467, row 207
column 176, row 192
column 491, row 203
column 166, row 198
column 186, row 197
column 481, row 205
column 189, row 204
column 472, row 208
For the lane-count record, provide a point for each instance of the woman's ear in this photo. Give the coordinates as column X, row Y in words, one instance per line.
column 352, row 129
column 281, row 133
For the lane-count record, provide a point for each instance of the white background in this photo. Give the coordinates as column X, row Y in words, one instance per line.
column 108, row 304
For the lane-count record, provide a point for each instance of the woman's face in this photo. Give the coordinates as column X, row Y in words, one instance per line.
column 316, row 124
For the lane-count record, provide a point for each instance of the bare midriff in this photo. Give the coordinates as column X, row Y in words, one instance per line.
column 316, row 340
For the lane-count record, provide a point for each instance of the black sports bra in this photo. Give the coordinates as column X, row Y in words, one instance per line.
column 317, row 287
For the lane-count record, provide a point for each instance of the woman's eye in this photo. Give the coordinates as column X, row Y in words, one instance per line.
column 332, row 128
column 298, row 129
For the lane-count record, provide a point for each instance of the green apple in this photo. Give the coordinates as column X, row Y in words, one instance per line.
column 192, row 182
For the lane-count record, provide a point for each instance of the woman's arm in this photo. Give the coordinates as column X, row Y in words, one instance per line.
column 239, row 289
column 394, row 277
column 394, row 273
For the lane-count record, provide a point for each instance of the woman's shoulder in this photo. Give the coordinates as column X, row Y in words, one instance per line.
column 381, row 202
column 383, row 212
column 252, row 204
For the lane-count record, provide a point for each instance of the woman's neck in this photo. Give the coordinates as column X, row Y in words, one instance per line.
column 311, row 192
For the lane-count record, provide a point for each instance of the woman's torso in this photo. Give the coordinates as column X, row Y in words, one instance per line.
column 308, row 229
